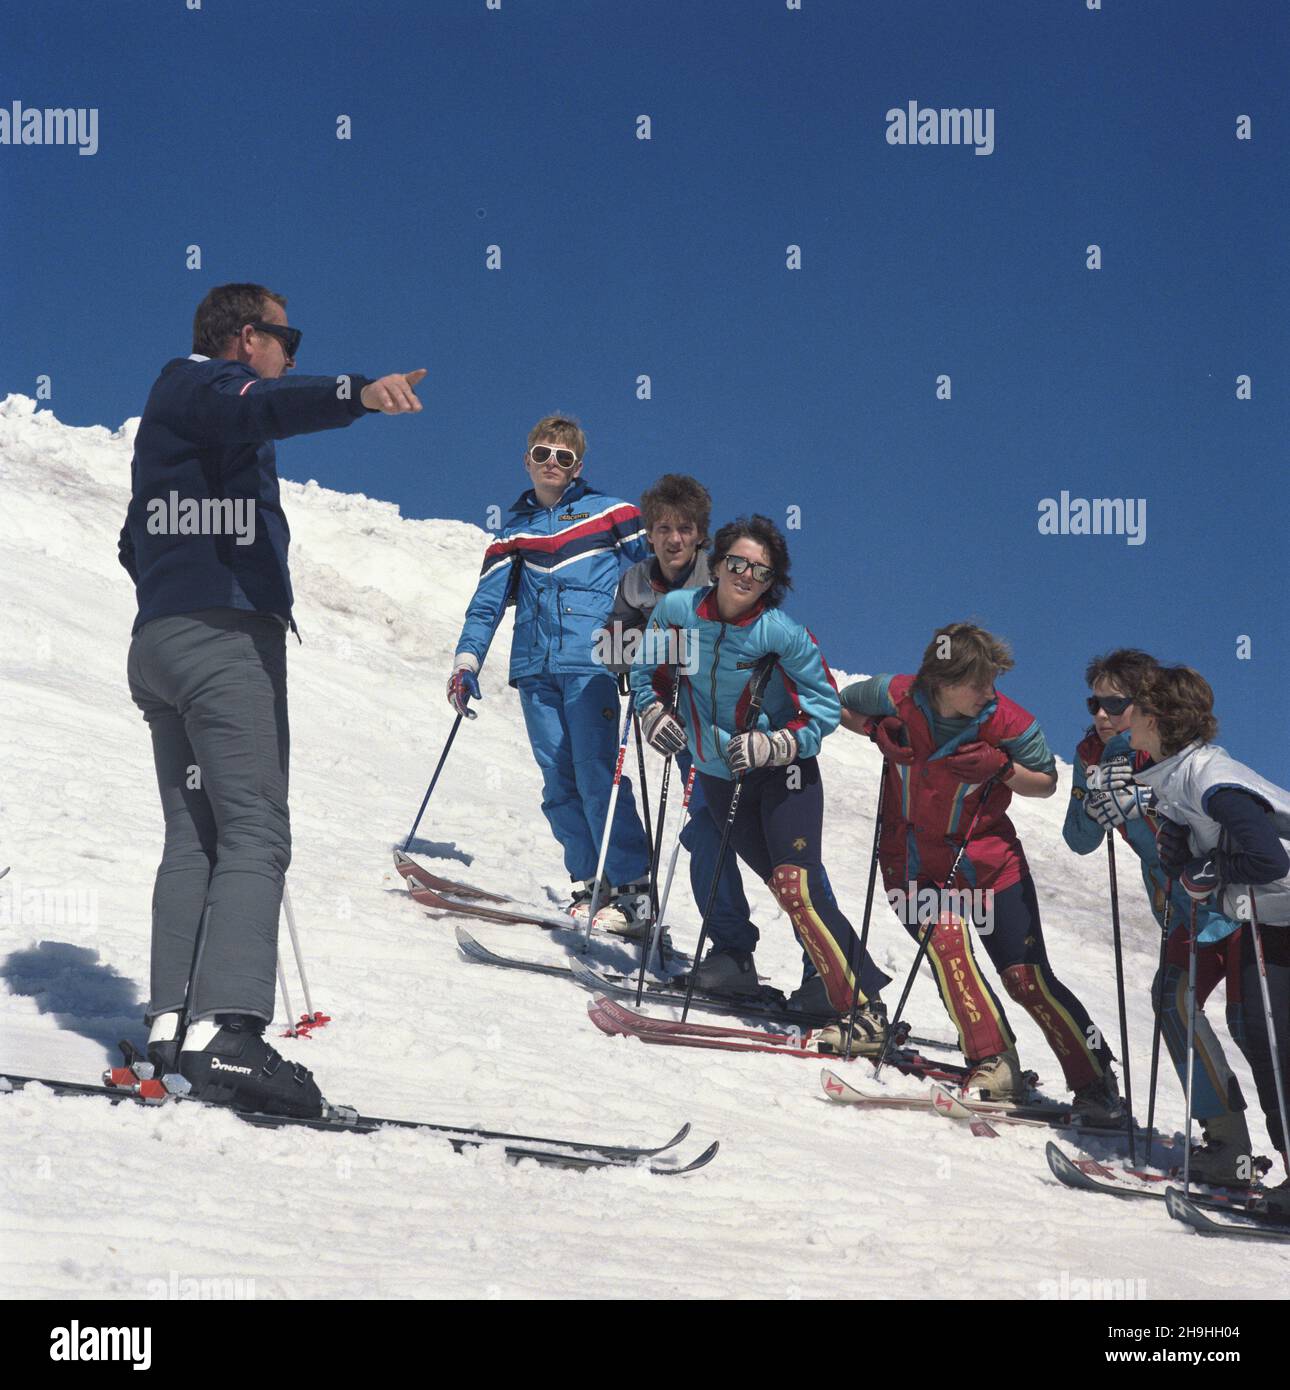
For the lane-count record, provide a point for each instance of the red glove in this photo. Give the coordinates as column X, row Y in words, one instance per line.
column 978, row 762
column 887, row 733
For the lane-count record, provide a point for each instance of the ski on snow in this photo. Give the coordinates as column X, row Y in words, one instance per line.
column 474, row 903
column 612, row 1018
column 1088, row 1175
column 415, row 874
column 1255, row 1226
column 615, row 988
column 1091, row 1175
column 559, row 1153
column 1039, row 1116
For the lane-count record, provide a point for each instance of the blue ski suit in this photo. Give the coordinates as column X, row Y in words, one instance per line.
column 560, row 567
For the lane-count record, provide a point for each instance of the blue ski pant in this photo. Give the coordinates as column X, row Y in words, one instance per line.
column 1215, row 1090
column 573, row 724
column 212, row 686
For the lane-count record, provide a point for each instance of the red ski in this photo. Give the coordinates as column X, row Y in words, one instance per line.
column 613, row 1018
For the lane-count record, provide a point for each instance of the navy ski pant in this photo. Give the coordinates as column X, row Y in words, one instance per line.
column 777, row 832
column 212, row 686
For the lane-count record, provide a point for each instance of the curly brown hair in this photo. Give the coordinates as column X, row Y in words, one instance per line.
column 682, row 496
column 1126, row 668
column 961, row 652
column 1182, row 702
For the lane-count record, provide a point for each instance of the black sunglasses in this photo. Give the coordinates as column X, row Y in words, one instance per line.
column 1112, row 704
column 737, row 564
column 288, row 337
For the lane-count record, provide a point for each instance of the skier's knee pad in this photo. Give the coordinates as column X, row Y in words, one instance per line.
column 790, row 885
column 1021, row 983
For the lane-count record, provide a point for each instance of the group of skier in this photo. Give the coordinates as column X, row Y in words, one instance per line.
column 955, row 751
column 613, row 598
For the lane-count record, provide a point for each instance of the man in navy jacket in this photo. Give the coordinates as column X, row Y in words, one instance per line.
column 205, row 541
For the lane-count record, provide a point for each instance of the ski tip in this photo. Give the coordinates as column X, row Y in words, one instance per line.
column 600, row 1016
column 834, row 1086
column 1179, row 1207
column 1059, row 1164
column 666, row 1171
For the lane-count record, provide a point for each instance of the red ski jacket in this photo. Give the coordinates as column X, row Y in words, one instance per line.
column 926, row 810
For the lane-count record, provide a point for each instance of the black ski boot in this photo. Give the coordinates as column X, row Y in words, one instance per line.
column 730, row 973
column 811, row 997
column 237, row 1067
column 1099, row 1102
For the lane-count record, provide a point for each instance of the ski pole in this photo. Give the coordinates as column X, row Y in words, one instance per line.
column 286, row 1001
column 656, row 930
column 295, row 946
column 649, row 823
column 868, row 907
column 425, row 800
column 512, row 584
column 1191, row 1046
column 1272, row 1031
column 609, row 822
column 1159, row 1003
column 756, row 691
column 926, row 940
column 1119, row 991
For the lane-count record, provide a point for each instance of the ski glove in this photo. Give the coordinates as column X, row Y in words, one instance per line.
column 978, row 762
column 463, row 686
column 663, row 731
column 1172, row 846
column 747, row 751
column 1200, row 877
column 887, row 733
column 1111, row 808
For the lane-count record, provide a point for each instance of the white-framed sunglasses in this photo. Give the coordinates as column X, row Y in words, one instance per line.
column 541, row 453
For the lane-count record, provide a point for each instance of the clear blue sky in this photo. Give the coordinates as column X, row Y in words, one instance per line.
column 812, row 388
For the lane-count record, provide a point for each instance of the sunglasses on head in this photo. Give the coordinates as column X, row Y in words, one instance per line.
column 737, row 564
column 288, row 337
column 541, row 453
column 1112, row 704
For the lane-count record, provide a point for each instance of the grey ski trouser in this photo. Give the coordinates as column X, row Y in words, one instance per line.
column 212, row 686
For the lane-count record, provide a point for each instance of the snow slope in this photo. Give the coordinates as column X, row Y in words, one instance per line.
column 804, row 1200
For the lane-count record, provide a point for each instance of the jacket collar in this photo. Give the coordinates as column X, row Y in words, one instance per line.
column 527, row 501
column 707, row 608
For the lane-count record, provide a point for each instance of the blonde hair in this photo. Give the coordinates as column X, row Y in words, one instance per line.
column 565, row 430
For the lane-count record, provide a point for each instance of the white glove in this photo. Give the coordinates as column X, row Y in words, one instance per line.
column 663, row 731
column 747, row 751
column 1114, row 808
